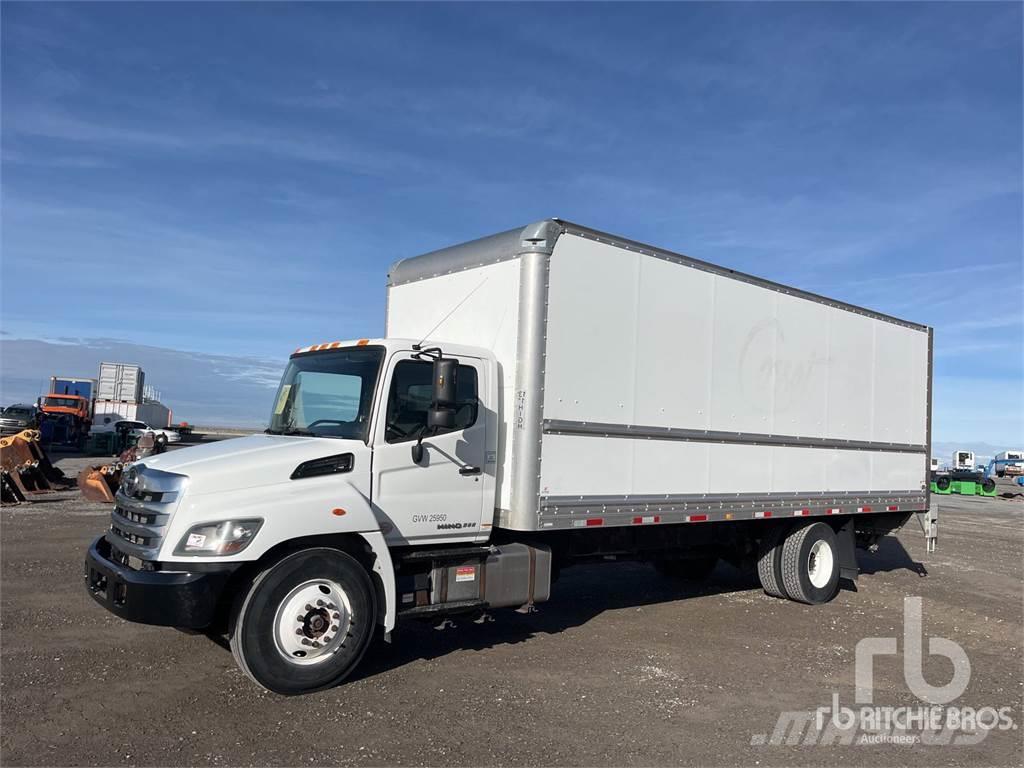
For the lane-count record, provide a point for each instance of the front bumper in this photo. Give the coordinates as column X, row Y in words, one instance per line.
column 186, row 599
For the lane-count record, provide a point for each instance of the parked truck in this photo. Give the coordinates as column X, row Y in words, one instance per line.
column 1009, row 463
column 547, row 396
column 65, row 419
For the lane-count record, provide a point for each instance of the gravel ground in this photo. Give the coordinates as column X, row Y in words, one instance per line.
column 621, row 667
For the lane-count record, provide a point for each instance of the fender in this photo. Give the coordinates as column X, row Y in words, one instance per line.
column 317, row 506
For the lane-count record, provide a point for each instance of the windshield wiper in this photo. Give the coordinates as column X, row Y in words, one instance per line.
column 299, row 432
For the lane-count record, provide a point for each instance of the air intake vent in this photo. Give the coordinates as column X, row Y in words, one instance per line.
column 329, row 465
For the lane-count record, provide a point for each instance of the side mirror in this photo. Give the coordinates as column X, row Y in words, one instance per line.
column 445, row 382
column 446, row 373
column 441, row 414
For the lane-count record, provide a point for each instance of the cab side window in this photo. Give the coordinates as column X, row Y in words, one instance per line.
column 409, row 400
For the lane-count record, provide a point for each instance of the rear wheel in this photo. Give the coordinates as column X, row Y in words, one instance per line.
column 305, row 623
column 942, row 483
column 810, row 564
column 769, row 562
column 988, row 485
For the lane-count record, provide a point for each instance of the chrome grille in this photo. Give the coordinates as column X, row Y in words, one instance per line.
column 139, row 521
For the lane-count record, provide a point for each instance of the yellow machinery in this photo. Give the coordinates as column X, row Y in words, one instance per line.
column 25, row 469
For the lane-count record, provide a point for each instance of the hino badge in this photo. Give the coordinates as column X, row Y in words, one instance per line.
column 542, row 397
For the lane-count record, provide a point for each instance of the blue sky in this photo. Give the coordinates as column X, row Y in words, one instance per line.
column 246, row 172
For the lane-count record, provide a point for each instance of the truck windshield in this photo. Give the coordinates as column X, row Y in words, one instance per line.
column 62, row 402
column 327, row 394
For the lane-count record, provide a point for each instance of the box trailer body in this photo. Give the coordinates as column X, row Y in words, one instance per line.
column 543, row 397
column 152, row 413
column 636, row 380
column 120, row 382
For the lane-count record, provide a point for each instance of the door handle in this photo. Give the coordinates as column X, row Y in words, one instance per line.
column 470, row 470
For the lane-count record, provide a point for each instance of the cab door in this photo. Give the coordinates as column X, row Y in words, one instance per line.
column 442, row 497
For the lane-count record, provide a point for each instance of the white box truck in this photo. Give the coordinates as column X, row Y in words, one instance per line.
column 543, row 397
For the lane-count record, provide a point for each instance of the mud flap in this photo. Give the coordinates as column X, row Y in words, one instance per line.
column 846, row 540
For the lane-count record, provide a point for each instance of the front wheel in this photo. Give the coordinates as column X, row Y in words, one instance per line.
column 305, row 623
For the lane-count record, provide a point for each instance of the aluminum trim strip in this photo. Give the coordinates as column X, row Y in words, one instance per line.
column 601, row 429
column 730, row 499
column 538, row 237
column 692, row 509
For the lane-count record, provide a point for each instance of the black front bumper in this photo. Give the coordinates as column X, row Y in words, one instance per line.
column 186, row 599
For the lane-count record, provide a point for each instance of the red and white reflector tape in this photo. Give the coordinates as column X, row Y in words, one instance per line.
column 646, row 519
column 863, row 509
column 833, row 511
column 801, row 512
column 696, row 518
column 892, row 508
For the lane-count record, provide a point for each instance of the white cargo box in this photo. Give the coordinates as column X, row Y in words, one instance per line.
column 639, row 382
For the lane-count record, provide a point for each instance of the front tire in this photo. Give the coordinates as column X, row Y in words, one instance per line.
column 305, row 622
column 810, row 564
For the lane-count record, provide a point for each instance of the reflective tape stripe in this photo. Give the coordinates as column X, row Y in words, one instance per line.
column 646, row 519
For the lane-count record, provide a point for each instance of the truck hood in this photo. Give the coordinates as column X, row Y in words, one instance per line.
column 247, row 462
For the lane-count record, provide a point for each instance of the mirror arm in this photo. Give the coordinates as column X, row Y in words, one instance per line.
column 417, row 448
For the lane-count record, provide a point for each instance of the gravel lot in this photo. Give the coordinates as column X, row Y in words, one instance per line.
column 621, row 667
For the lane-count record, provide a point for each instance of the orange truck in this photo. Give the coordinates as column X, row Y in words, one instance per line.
column 65, row 418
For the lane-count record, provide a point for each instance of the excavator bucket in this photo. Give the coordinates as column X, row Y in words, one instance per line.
column 25, row 469
column 98, row 483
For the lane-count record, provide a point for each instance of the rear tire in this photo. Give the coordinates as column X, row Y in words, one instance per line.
column 942, row 483
column 305, row 622
column 810, row 564
column 988, row 485
column 769, row 562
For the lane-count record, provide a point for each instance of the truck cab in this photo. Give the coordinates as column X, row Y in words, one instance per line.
column 65, row 418
column 365, row 452
column 374, row 399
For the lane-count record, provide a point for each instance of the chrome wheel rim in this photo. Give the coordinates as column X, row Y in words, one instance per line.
column 313, row 622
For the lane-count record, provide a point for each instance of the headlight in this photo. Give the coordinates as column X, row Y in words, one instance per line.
column 213, row 539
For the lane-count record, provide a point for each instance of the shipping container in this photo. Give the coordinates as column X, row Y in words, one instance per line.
column 120, row 382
